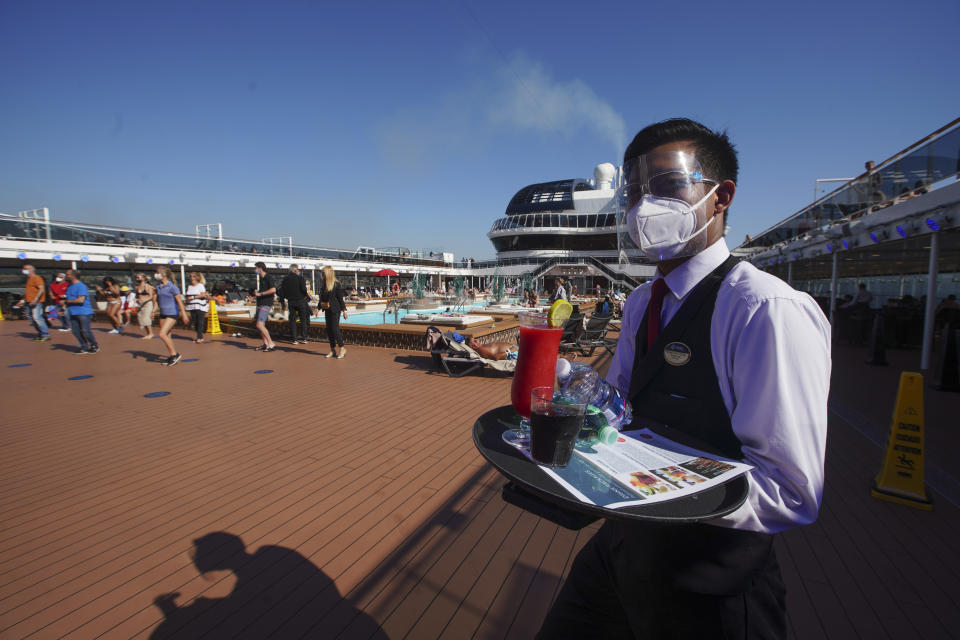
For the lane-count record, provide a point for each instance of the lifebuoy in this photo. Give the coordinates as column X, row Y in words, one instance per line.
column 396, row 289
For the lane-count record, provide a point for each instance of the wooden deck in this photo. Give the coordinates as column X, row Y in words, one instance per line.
column 363, row 507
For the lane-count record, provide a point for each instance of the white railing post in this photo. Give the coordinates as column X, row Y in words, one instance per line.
column 833, row 293
column 931, row 302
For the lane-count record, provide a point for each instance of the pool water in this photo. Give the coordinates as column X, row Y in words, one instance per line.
column 377, row 317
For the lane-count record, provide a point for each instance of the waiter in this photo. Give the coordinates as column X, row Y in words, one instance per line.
column 721, row 356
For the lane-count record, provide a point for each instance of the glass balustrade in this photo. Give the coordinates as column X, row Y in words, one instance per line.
column 909, row 174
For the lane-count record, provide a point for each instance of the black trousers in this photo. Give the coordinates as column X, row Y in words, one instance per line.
column 301, row 309
column 198, row 318
column 333, row 328
column 671, row 581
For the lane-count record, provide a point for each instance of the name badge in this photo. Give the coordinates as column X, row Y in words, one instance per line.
column 677, row 354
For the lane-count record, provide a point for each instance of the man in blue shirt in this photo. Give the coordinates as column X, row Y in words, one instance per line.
column 81, row 313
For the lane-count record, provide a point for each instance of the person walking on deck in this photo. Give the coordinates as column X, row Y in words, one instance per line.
column 111, row 293
column 265, row 295
column 293, row 290
column 332, row 305
column 34, row 295
column 197, row 304
column 77, row 301
column 736, row 362
column 170, row 303
column 145, row 305
column 58, row 293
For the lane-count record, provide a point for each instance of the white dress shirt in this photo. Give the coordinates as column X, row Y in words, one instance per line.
column 771, row 353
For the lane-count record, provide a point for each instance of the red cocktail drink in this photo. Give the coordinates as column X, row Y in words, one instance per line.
column 536, row 360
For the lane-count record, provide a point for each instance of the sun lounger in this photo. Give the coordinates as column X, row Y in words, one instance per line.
column 572, row 329
column 458, row 358
column 594, row 336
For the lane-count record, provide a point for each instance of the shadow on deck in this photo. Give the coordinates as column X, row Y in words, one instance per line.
column 344, row 499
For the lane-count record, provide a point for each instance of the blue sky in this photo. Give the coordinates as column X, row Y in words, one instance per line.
column 414, row 123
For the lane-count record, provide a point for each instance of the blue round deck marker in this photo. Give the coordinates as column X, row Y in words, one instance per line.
column 22, row 364
column 156, row 394
column 191, row 359
column 264, row 371
column 79, row 377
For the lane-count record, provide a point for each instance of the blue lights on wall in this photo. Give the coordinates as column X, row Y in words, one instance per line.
column 829, row 248
column 22, row 256
column 846, row 245
column 172, row 262
column 901, row 231
column 149, row 260
column 57, row 257
column 85, row 259
column 932, row 224
column 874, row 237
column 114, row 259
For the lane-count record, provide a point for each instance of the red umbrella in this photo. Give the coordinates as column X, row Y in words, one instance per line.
column 385, row 272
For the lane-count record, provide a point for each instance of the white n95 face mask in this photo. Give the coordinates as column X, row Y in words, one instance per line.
column 666, row 228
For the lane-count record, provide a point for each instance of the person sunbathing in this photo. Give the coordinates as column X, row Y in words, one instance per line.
column 494, row 350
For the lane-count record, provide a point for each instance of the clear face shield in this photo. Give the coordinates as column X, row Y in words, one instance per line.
column 662, row 207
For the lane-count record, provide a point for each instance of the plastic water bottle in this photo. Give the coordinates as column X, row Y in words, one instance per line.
column 580, row 382
column 596, row 429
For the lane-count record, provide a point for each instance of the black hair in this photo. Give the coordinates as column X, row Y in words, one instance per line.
column 260, row 265
column 715, row 152
column 109, row 280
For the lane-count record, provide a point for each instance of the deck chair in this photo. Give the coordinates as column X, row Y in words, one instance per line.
column 458, row 358
column 594, row 336
column 572, row 330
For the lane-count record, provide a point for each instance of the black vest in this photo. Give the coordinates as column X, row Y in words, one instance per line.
column 673, row 386
column 678, row 395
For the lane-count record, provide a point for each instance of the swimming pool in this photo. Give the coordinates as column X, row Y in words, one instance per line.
column 377, row 317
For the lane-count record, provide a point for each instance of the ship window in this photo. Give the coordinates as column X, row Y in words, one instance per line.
column 554, row 220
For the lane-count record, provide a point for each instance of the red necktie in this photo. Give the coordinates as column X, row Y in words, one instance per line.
column 654, row 308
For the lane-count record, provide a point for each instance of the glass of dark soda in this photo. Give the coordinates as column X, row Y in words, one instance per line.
column 555, row 422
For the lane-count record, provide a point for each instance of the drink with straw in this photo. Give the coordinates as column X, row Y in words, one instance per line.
column 537, row 359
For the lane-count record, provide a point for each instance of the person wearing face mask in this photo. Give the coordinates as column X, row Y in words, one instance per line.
column 145, row 305
column 34, row 295
column 58, row 295
column 77, row 299
column 718, row 355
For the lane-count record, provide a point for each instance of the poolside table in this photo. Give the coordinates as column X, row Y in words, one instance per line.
column 530, row 488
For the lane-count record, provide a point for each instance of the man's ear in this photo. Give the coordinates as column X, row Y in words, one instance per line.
column 725, row 192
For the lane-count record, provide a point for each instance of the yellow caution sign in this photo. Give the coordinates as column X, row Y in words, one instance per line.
column 213, row 320
column 901, row 478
